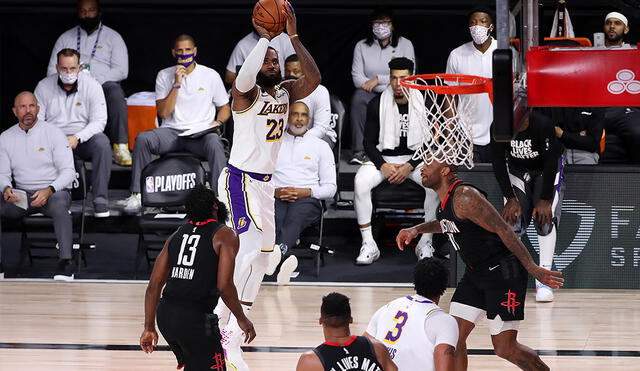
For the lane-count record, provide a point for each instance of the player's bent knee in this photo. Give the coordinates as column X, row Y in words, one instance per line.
column 544, row 230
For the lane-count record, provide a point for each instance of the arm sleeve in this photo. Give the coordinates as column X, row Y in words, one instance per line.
column 63, row 160
column 97, row 112
column 321, row 112
column 551, row 155
column 372, row 328
column 372, row 132
column 441, row 328
column 357, row 67
column 327, row 173
column 51, row 68
column 220, row 96
column 246, row 79
column 5, row 166
column 499, row 161
column 119, row 61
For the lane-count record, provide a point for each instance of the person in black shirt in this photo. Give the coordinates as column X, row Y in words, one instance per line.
column 341, row 350
column 579, row 129
column 196, row 264
column 533, row 185
column 392, row 134
column 495, row 279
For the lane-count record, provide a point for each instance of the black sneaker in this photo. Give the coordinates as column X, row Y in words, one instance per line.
column 1, row 271
column 359, row 158
column 65, row 271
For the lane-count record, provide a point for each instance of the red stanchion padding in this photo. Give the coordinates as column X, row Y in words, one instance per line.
column 583, row 77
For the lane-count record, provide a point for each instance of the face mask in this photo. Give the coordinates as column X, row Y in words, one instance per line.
column 89, row 24
column 382, row 30
column 68, row 78
column 479, row 34
column 185, row 59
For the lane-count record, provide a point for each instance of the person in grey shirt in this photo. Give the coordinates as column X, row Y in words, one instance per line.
column 37, row 156
column 370, row 72
column 104, row 55
column 74, row 102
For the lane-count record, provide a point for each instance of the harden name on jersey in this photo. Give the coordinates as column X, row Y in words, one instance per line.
column 355, row 363
column 182, row 273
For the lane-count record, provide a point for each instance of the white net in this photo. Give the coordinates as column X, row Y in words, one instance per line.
column 446, row 125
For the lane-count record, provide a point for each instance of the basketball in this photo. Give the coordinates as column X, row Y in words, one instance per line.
column 269, row 14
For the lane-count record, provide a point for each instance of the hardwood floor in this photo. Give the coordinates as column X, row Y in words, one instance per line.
column 46, row 325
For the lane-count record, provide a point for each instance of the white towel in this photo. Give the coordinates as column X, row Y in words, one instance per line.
column 567, row 28
column 389, row 137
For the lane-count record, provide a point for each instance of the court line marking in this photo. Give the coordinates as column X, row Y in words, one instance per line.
column 305, row 283
column 267, row 349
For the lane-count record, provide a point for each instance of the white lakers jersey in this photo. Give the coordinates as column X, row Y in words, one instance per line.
column 257, row 132
column 410, row 327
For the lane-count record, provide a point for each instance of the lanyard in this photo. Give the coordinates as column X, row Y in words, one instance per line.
column 93, row 52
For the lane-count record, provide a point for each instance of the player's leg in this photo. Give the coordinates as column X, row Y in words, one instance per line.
column 506, row 346
column 170, row 320
column 366, row 179
column 203, row 350
column 424, row 248
column 521, row 184
column 467, row 307
column 547, row 233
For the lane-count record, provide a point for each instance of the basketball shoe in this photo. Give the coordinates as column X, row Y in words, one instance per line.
column 368, row 253
column 231, row 340
column 424, row 248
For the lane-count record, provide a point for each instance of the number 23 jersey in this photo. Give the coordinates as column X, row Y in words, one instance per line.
column 257, row 131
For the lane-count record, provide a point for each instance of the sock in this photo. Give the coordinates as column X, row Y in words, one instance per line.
column 367, row 234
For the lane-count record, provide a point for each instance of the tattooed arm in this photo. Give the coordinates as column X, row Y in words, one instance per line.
column 406, row 235
column 468, row 203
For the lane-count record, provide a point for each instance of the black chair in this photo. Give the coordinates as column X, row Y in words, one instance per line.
column 37, row 229
column 165, row 184
column 392, row 200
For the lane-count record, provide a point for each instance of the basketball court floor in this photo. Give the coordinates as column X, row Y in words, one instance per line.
column 46, row 325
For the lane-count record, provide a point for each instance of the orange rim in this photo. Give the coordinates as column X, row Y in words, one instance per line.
column 477, row 84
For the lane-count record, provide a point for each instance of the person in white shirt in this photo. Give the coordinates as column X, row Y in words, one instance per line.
column 318, row 102
column 305, row 174
column 476, row 58
column 36, row 156
column 370, row 72
column 190, row 97
column 280, row 43
column 414, row 328
column 75, row 103
column 104, row 55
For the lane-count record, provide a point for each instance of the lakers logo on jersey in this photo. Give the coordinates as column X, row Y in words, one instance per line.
column 241, row 222
column 269, row 108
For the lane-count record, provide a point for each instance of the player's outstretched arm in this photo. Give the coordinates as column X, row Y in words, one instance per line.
column 407, row 234
column 309, row 361
column 149, row 337
column 305, row 85
column 382, row 354
column 226, row 244
column 468, row 203
column 443, row 357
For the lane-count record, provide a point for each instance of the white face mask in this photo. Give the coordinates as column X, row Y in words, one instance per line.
column 479, row 34
column 382, row 30
column 68, row 78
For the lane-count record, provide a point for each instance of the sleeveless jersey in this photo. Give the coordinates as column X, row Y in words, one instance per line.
column 400, row 325
column 356, row 354
column 193, row 273
column 257, row 132
column 477, row 246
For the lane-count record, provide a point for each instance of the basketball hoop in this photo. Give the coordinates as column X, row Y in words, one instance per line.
column 446, row 120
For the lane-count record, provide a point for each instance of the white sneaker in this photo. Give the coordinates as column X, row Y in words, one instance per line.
column 274, row 259
column 121, row 154
column 544, row 293
column 284, row 276
column 230, row 341
column 132, row 204
column 424, row 250
column 368, row 253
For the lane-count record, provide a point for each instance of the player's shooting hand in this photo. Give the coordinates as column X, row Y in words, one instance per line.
column 263, row 31
column 547, row 277
column 512, row 211
column 148, row 340
column 40, row 197
column 292, row 21
column 370, row 85
column 179, row 74
column 405, row 236
column 542, row 212
column 402, row 172
column 247, row 327
column 9, row 196
column 388, row 170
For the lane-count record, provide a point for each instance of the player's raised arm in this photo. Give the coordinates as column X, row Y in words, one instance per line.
column 468, row 203
column 305, row 85
column 244, row 89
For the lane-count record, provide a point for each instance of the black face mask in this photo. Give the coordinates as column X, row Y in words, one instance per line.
column 89, row 24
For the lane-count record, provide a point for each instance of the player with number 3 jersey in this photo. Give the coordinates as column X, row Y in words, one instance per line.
column 260, row 108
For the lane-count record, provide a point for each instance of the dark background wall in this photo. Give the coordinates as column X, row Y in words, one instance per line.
column 329, row 29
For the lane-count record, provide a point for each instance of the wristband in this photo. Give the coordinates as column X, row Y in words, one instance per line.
column 52, row 188
column 294, row 35
column 176, row 86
